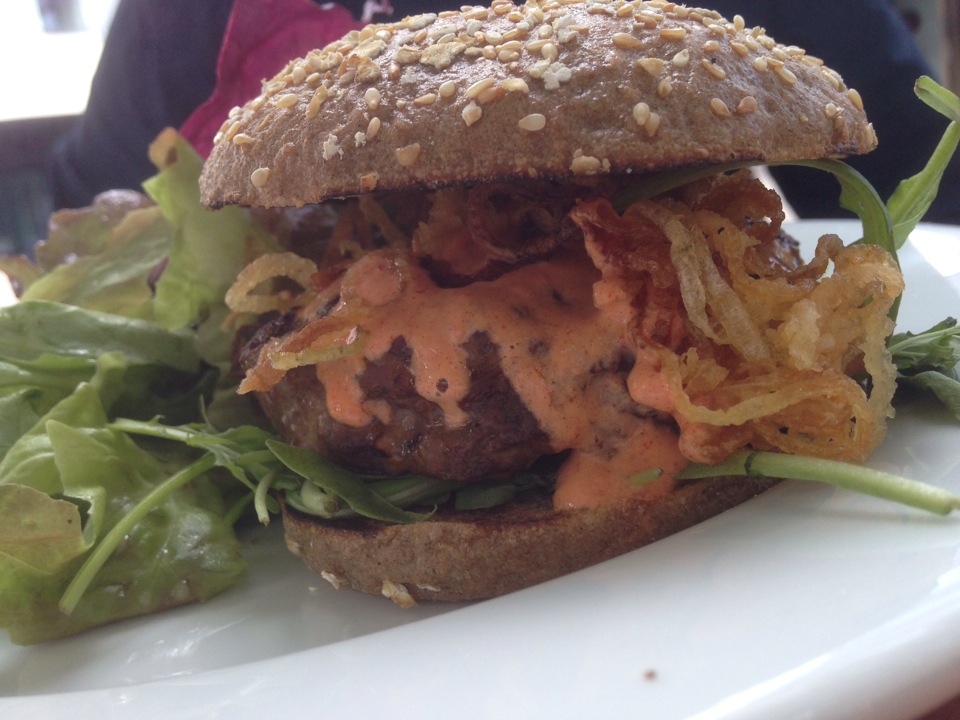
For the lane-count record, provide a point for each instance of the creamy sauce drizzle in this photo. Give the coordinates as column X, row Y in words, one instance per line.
column 551, row 338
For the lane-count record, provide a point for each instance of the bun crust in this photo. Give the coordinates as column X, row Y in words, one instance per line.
column 541, row 90
column 474, row 555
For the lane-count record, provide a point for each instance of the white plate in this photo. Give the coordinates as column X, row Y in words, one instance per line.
column 804, row 603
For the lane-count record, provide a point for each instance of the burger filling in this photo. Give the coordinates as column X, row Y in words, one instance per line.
column 467, row 333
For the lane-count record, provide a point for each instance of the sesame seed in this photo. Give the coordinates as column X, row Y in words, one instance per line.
column 585, row 165
column 448, row 89
column 288, row 100
column 741, row 49
column 535, row 46
column 506, row 56
column 652, row 124
column 479, row 86
column 760, row 64
column 830, row 110
column 232, row 130
column 711, row 46
column 681, row 59
column 647, row 19
column 673, row 33
column 739, row 23
column 854, row 97
column 373, row 128
column 515, row 33
column 425, row 99
column 408, row 154
column 532, row 122
column 372, row 98
column 786, row 75
column 516, row 85
column 833, row 77
column 714, row 69
column 747, row 105
column 549, row 51
column 719, row 108
column 626, row 40
column 260, row 176
column 665, row 87
column 242, row 139
column 471, row 113
column 653, row 66
column 641, row 113
column 319, row 97
column 488, row 95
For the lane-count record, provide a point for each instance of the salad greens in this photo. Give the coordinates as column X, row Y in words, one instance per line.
column 126, row 457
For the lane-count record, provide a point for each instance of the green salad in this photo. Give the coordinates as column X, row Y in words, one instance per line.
column 126, row 457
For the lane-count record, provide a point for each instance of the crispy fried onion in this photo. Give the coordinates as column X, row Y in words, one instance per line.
column 313, row 343
column 765, row 353
column 474, row 230
column 242, row 298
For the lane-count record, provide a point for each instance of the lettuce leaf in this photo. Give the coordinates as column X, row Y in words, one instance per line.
column 96, row 339
column 66, row 483
column 208, row 249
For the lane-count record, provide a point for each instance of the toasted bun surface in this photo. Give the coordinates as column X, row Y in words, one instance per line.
column 483, row 554
column 545, row 89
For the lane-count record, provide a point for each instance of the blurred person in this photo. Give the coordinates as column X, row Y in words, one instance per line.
column 160, row 65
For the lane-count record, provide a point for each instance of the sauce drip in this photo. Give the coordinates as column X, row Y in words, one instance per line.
column 558, row 350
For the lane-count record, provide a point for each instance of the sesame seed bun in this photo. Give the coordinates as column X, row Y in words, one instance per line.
column 542, row 90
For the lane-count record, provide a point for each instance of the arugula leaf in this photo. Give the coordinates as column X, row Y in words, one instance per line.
column 928, row 361
column 760, row 464
column 938, row 347
column 182, row 550
column 913, row 196
column 338, row 483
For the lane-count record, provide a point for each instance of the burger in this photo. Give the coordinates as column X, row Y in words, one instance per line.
column 523, row 268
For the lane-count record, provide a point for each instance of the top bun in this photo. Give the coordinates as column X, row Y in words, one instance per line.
column 548, row 89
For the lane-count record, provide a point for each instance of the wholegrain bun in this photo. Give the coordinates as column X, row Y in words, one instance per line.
column 458, row 556
column 543, row 90
column 559, row 91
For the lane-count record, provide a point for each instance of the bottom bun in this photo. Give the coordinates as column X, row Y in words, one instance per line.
column 473, row 555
